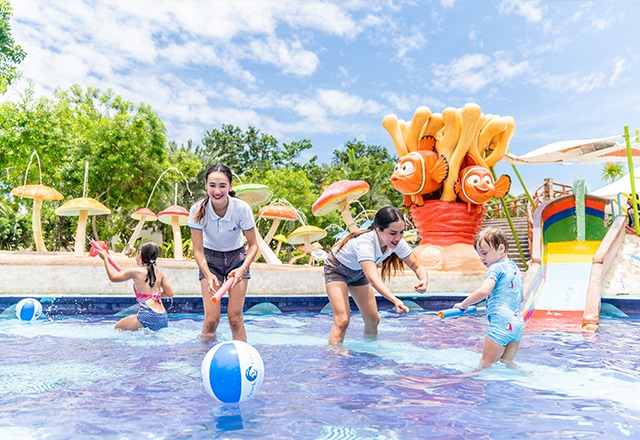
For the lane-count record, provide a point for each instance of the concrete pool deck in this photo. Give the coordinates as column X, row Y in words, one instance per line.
column 63, row 274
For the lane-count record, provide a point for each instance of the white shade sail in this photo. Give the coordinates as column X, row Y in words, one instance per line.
column 585, row 151
column 622, row 185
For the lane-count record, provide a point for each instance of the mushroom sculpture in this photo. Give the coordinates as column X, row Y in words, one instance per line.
column 280, row 238
column 305, row 236
column 142, row 215
column 338, row 196
column 277, row 213
column 38, row 193
column 82, row 207
column 253, row 193
column 175, row 216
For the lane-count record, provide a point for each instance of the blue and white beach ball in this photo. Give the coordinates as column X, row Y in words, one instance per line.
column 232, row 371
column 28, row 309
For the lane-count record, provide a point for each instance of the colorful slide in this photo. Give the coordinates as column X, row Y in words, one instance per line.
column 566, row 237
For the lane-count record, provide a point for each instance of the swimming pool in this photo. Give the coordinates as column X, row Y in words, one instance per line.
column 75, row 377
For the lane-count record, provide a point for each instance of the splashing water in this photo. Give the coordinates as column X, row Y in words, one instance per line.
column 176, row 185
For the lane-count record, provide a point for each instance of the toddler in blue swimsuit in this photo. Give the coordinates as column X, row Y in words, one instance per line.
column 149, row 284
column 503, row 289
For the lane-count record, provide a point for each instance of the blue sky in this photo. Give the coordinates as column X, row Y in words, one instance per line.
column 330, row 71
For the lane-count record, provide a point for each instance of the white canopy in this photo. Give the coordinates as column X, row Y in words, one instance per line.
column 611, row 149
column 622, row 185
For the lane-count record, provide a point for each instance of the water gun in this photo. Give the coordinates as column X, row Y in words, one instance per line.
column 223, row 289
column 95, row 245
column 450, row 313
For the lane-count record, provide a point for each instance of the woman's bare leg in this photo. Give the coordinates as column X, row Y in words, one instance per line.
column 365, row 299
column 235, row 306
column 211, row 313
column 339, row 298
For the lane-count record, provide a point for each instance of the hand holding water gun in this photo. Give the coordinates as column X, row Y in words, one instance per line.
column 224, row 288
column 456, row 311
column 100, row 248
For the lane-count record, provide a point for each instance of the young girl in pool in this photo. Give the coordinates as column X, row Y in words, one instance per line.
column 352, row 267
column 149, row 284
column 503, row 289
column 218, row 223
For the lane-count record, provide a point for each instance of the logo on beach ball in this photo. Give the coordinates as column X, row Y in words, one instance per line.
column 28, row 309
column 232, row 372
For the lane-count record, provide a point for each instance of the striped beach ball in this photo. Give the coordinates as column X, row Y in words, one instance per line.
column 28, row 309
column 232, row 371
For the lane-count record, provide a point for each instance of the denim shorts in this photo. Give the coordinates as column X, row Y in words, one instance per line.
column 505, row 328
column 336, row 271
column 151, row 319
column 221, row 263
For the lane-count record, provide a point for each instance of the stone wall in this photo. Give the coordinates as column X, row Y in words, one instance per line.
column 31, row 273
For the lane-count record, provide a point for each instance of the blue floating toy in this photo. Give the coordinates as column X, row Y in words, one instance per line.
column 232, row 372
column 28, row 309
column 450, row 313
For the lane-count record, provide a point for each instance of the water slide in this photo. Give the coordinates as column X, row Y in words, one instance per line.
column 572, row 249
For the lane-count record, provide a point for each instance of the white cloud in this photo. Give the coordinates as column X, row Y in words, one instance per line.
column 592, row 20
column 289, row 57
column 473, row 72
column 538, row 47
column 573, row 82
column 310, row 109
column 320, row 15
column 349, row 79
column 618, row 67
column 341, row 103
column 411, row 42
column 530, row 10
column 406, row 104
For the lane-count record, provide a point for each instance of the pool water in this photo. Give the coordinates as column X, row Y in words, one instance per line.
column 78, row 378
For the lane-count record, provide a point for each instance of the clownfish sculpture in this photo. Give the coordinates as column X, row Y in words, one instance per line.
column 420, row 172
column 475, row 186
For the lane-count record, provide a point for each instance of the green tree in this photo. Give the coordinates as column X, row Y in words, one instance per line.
column 371, row 163
column 612, row 171
column 288, row 186
column 124, row 144
column 15, row 227
column 250, row 150
column 11, row 54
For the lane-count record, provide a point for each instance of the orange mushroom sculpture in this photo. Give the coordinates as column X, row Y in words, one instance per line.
column 142, row 215
column 175, row 216
column 38, row 193
column 277, row 213
column 338, row 196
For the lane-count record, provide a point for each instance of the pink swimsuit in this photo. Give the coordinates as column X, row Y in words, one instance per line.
column 141, row 297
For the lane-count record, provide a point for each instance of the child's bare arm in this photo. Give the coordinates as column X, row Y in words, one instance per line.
column 165, row 288
column 478, row 295
column 112, row 273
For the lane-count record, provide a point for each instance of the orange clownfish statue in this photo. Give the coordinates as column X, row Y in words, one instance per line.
column 475, row 186
column 420, row 172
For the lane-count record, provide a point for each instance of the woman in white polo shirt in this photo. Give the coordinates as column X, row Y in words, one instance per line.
column 351, row 267
column 217, row 224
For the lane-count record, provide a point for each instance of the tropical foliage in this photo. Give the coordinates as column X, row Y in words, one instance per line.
column 612, row 171
column 11, row 54
column 127, row 151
